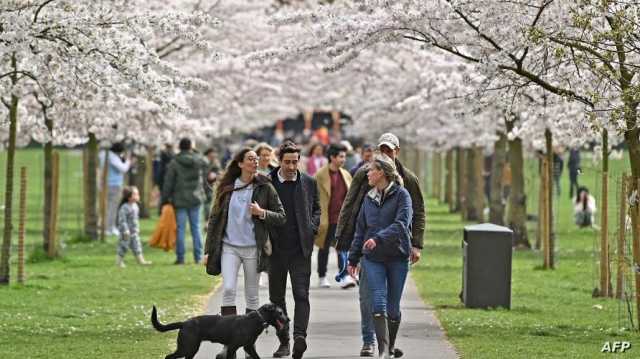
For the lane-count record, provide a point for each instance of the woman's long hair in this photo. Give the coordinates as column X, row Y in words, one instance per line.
column 579, row 197
column 231, row 173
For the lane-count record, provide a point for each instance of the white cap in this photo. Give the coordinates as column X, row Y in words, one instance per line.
column 390, row 140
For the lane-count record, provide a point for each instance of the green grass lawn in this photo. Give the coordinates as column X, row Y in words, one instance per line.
column 553, row 314
column 82, row 306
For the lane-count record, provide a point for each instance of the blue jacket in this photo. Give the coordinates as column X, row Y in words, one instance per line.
column 388, row 223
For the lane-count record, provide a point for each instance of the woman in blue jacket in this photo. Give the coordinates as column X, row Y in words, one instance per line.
column 382, row 246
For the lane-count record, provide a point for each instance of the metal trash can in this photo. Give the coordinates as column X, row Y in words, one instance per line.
column 486, row 273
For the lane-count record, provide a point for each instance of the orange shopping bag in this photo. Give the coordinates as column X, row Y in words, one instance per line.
column 164, row 236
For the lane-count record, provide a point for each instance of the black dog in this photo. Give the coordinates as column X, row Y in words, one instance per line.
column 234, row 331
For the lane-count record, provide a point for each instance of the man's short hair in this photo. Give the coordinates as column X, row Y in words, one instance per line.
column 208, row 151
column 288, row 147
column 185, row 144
column 335, row 149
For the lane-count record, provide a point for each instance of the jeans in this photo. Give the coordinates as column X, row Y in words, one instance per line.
column 386, row 283
column 299, row 269
column 366, row 316
column 232, row 258
column 193, row 214
column 114, row 194
column 323, row 255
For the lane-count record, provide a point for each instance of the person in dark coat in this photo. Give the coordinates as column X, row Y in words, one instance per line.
column 184, row 189
column 574, row 170
column 382, row 247
column 246, row 205
column 388, row 144
column 293, row 245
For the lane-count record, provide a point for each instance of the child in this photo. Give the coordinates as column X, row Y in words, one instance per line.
column 127, row 221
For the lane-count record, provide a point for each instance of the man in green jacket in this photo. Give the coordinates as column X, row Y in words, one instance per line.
column 388, row 144
column 183, row 188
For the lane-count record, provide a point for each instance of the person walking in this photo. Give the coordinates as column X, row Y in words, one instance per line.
column 388, row 144
column 246, row 205
column 315, row 159
column 366, row 155
column 183, row 188
column 558, row 165
column 265, row 158
column 128, row 220
column 333, row 183
column 118, row 165
column 293, row 245
column 574, row 170
column 383, row 241
column 160, row 170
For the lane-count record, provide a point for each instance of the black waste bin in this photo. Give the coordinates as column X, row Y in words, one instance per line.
column 486, row 273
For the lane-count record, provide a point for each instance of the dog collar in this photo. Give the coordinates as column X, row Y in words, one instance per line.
column 264, row 322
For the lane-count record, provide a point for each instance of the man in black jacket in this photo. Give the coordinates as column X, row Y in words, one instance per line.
column 293, row 245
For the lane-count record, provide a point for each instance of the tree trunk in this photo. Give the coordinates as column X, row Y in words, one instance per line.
column 605, row 272
column 460, row 181
column 5, row 256
column 48, row 186
column 633, row 144
column 622, row 219
column 52, row 245
column 139, row 181
column 550, row 230
column 91, row 188
column 496, row 206
column 517, row 211
column 540, row 202
column 448, row 192
column 474, row 204
column 103, row 196
column 437, row 176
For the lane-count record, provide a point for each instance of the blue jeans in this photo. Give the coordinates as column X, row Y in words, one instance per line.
column 193, row 214
column 343, row 256
column 385, row 281
column 366, row 317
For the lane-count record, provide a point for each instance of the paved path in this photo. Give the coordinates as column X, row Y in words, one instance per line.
column 334, row 325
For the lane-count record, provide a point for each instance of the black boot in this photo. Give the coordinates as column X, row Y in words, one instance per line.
column 394, row 325
column 224, row 311
column 283, row 350
column 382, row 335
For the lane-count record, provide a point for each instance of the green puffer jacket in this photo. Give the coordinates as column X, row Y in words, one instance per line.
column 183, row 184
column 267, row 197
column 355, row 196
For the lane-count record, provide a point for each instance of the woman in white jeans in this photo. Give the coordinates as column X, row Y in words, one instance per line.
column 246, row 205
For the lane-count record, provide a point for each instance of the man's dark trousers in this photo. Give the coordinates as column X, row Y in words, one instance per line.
column 298, row 267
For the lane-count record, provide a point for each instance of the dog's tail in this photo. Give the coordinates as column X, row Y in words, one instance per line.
column 161, row 327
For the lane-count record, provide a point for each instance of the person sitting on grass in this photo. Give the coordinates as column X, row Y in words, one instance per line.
column 129, row 227
column 584, row 207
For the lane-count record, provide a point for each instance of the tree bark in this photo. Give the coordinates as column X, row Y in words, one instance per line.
column 437, row 176
column 474, row 203
column 104, row 189
column 605, row 271
column 460, row 182
column 496, row 206
column 91, row 188
column 550, row 230
column 448, row 193
column 5, row 256
column 48, row 186
column 622, row 219
column 517, row 211
column 140, row 181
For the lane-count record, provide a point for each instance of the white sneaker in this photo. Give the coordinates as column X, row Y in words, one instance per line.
column 347, row 282
column 323, row 282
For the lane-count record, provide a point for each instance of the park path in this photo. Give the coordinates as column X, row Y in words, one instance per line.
column 334, row 325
